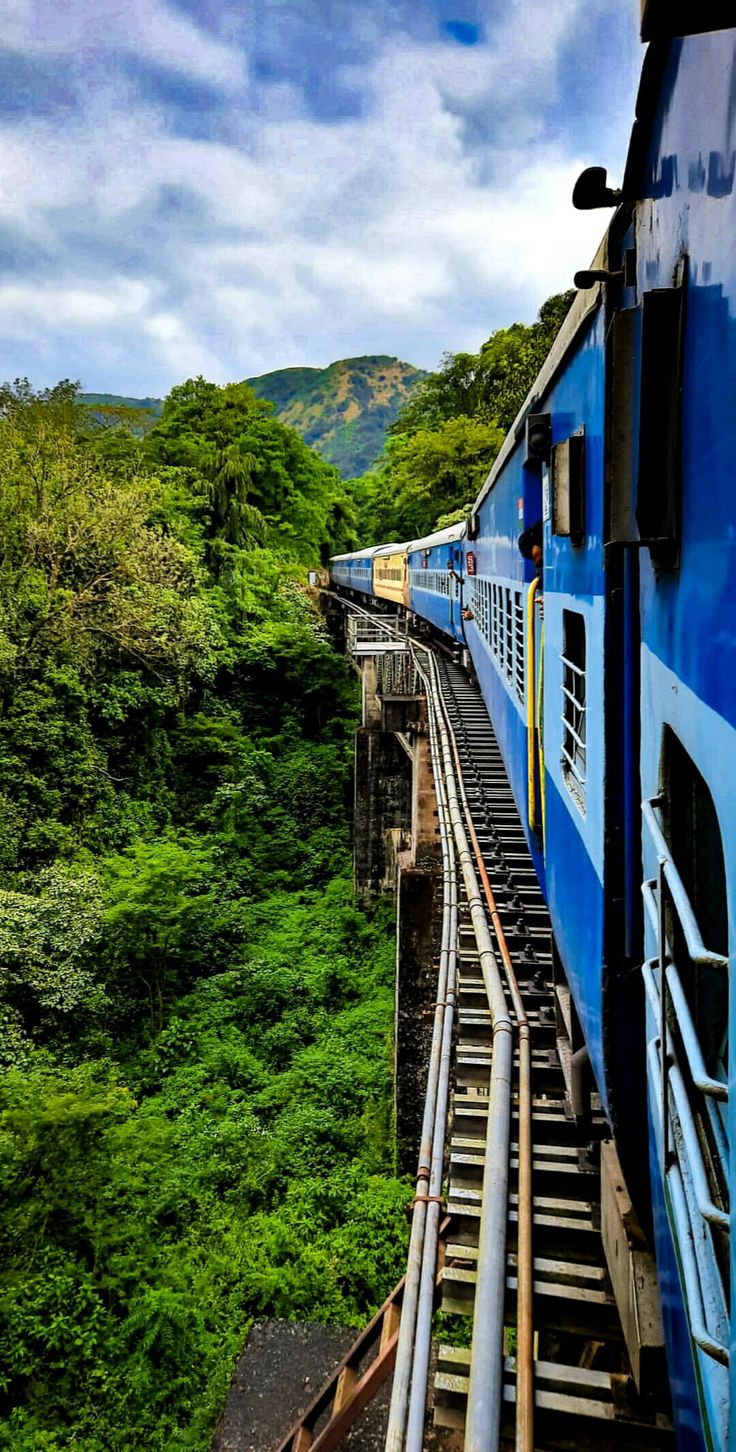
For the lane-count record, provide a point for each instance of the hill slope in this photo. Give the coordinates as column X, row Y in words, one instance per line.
column 116, row 400
column 342, row 411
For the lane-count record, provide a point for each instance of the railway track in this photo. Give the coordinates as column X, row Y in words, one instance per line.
column 506, row 1227
column 582, row 1388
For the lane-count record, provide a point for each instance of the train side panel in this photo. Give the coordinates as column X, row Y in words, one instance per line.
column 390, row 576
column 568, row 843
column 435, row 571
column 685, row 241
column 353, row 571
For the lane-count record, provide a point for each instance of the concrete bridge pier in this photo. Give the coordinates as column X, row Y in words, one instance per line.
column 397, row 851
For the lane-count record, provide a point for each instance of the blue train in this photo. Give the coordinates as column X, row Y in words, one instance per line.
column 609, row 667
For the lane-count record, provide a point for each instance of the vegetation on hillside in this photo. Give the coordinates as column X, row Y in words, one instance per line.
column 443, row 443
column 343, row 411
column 194, row 1123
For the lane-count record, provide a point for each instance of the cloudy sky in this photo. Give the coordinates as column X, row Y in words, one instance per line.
column 231, row 186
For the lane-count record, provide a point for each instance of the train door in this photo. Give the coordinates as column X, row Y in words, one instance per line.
column 687, row 1015
column 455, row 577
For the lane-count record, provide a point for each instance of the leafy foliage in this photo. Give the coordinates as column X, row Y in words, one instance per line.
column 444, row 441
column 194, row 1120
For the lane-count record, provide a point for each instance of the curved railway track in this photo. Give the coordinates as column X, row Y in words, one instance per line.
column 505, row 1228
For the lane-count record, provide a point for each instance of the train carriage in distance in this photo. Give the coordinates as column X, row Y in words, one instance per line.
column 435, row 566
column 354, row 571
column 390, row 576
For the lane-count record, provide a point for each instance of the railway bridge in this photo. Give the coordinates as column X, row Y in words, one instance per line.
column 522, row 1234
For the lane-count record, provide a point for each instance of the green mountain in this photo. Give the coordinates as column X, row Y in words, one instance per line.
column 342, row 412
column 116, row 400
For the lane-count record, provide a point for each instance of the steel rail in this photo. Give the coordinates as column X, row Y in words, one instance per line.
column 485, row 1388
column 423, row 1333
column 436, row 1095
column 524, row 1440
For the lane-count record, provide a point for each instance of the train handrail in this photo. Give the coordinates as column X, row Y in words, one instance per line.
column 701, row 1335
column 708, row 1209
column 693, row 937
column 694, row 1213
column 702, row 1080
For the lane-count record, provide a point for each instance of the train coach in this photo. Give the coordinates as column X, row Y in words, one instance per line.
column 435, row 566
column 609, row 668
column 353, row 573
column 390, row 574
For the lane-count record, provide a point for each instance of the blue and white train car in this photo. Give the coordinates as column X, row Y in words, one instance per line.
column 536, row 641
column 674, row 391
column 436, row 579
column 354, row 571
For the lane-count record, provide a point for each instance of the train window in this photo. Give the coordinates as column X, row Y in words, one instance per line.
column 509, row 633
column 568, row 487
column 691, row 827
column 495, row 638
column 574, row 737
column 519, row 643
column 658, row 475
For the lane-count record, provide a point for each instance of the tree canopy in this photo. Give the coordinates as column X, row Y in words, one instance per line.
column 195, row 1015
column 444, row 441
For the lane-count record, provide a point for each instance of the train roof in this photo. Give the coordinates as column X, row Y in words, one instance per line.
column 392, row 549
column 354, row 554
column 449, row 535
column 585, row 303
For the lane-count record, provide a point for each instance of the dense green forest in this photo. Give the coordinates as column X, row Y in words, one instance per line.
column 441, row 447
column 343, row 411
column 194, row 1101
column 196, row 1016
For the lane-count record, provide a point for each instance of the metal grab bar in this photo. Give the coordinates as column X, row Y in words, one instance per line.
column 579, row 705
column 706, row 1205
column 577, row 773
column 693, row 1052
column 685, row 1243
column 573, row 732
column 695, row 945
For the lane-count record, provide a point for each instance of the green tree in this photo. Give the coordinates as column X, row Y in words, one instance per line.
column 444, row 441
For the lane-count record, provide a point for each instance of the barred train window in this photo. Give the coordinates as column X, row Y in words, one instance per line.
column 519, row 642
column 574, row 749
column 509, row 635
column 694, row 835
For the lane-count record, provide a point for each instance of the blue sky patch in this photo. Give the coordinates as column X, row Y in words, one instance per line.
column 463, row 31
column 191, row 186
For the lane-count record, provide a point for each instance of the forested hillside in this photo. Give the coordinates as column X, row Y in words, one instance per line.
column 446, row 437
column 194, row 1104
column 343, row 411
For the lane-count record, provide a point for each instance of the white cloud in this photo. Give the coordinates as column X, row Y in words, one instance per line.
column 285, row 238
column 148, row 30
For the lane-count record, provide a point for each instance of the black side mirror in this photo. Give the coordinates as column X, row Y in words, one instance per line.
column 596, row 274
column 591, row 190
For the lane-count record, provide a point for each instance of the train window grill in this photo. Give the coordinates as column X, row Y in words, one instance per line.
column 501, row 629
column 574, row 736
column 509, row 634
column 494, row 621
column 519, row 643
column 687, row 990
